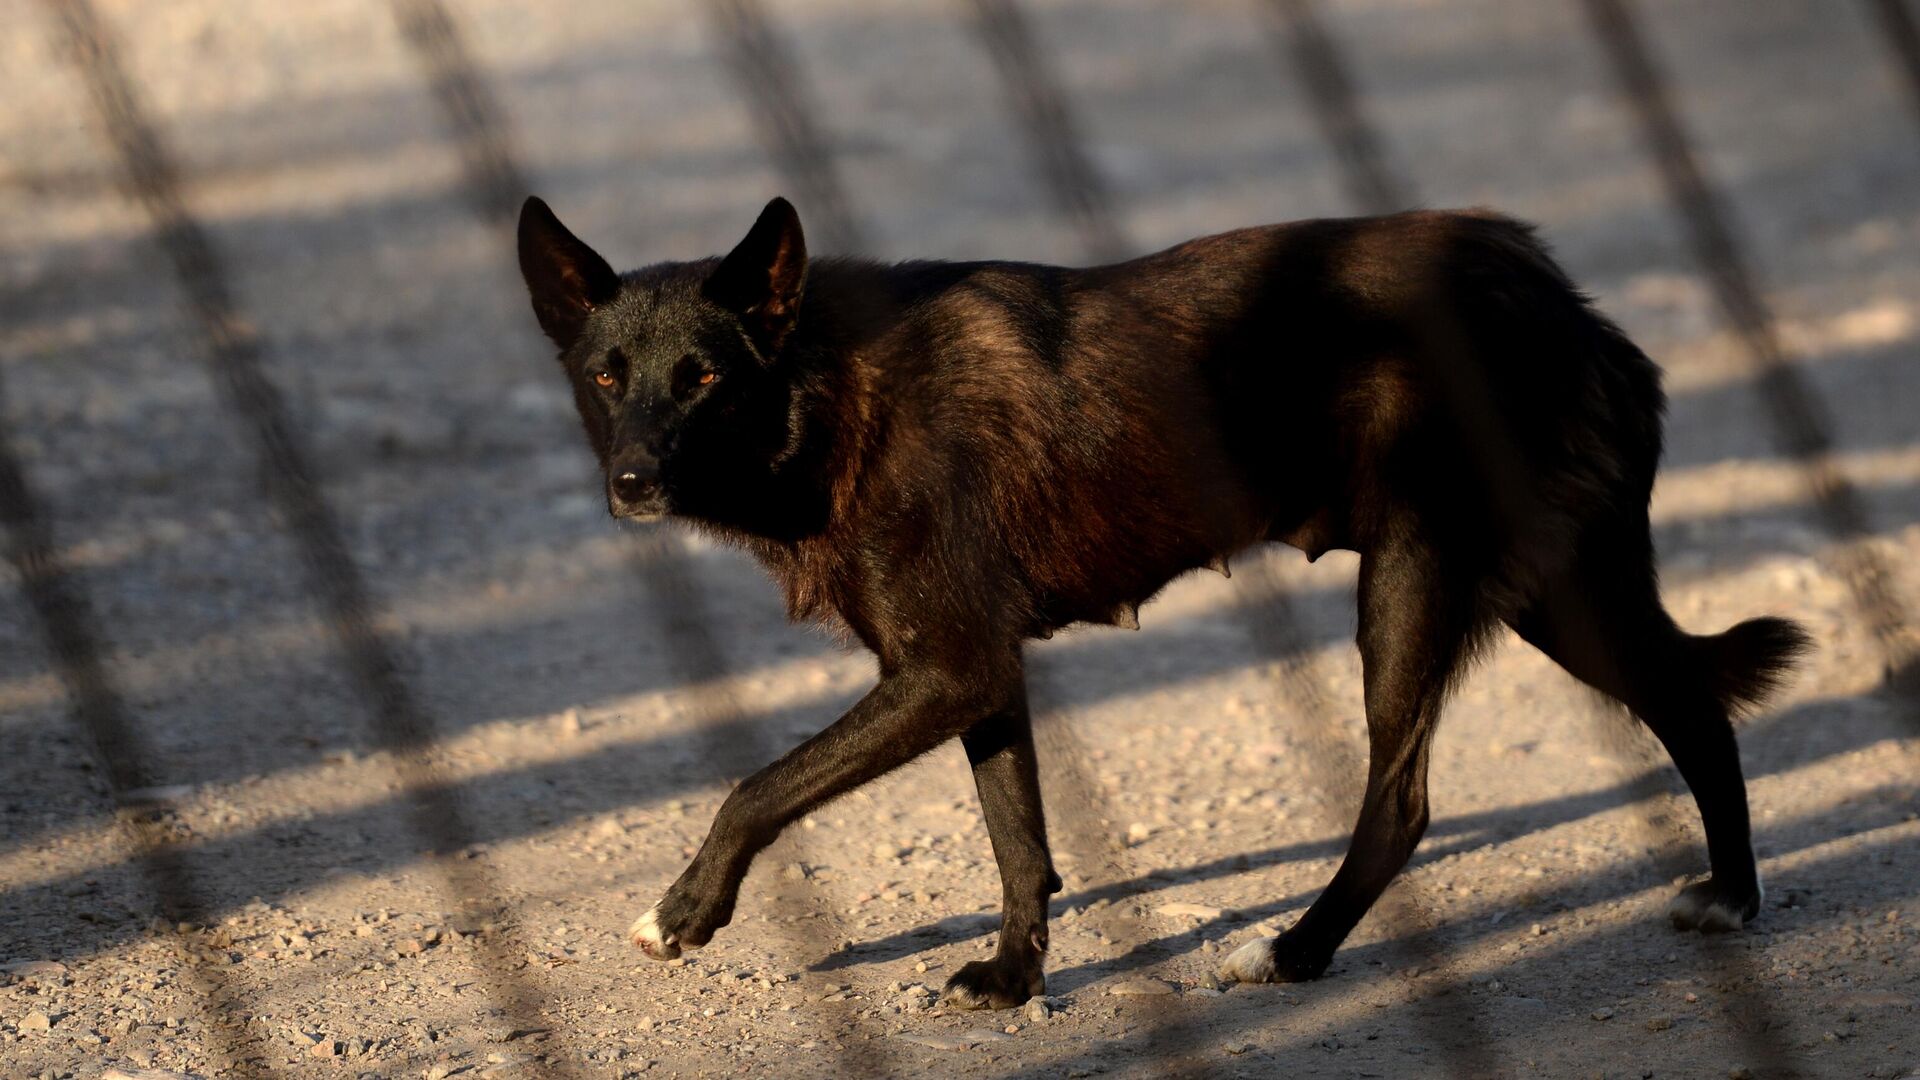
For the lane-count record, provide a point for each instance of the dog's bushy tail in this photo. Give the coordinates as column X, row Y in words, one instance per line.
column 1747, row 663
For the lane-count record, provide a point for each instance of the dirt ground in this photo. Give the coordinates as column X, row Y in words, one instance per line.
column 1202, row 776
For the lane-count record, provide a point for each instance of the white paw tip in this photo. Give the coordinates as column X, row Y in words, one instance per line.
column 1250, row 963
column 1690, row 911
column 645, row 932
column 960, row 997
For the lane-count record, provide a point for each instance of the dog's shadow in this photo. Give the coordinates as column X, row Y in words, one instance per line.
column 1772, row 746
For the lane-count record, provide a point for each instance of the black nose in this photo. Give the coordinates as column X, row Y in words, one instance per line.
column 632, row 484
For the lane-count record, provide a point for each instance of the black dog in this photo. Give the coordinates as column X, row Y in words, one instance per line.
column 952, row 458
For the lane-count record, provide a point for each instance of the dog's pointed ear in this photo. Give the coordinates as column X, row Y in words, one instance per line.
column 762, row 278
column 566, row 278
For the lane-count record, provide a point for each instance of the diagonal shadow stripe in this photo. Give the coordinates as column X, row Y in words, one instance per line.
column 232, row 352
column 496, row 185
column 66, row 622
column 1081, row 196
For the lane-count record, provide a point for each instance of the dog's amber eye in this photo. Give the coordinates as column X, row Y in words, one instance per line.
column 707, row 378
column 603, row 378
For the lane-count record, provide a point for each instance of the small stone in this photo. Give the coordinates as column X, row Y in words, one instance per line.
column 794, row 872
column 409, row 947
column 438, row 1072
column 1195, row 911
column 1739, row 1072
column 887, row 850
column 1037, row 1010
column 36, row 1020
column 936, row 1042
column 325, row 1048
column 1238, row 1048
column 1603, row 1014
column 1140, row 987
column 35, row 969
column 1659, row 1023
column 570, row 722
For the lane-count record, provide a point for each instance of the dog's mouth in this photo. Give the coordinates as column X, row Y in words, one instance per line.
column 644, row 510
column 648, row 504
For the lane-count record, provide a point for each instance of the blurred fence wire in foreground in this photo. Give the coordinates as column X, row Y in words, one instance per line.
column 773, row 85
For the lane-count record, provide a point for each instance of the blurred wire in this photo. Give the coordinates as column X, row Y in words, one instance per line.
column 1081, row 197
column 67, row 627
column 783, row 109
column 1303, row 40
column 1903, row 37
column 1797, row 417
column 495, row 183
column 232, row 352
column 1344, row 123
column 1053, row 137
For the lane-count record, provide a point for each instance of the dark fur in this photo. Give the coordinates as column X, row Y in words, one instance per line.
column 951, row 458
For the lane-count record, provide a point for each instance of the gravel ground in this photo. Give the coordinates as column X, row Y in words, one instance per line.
column 1198, row 795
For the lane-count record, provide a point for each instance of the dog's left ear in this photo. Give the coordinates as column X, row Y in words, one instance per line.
column 566, row 278
column 761, row 279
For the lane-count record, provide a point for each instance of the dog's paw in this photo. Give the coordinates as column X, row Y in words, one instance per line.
column 1269, row 960
column 994, row 984
column 655, row 942
column 663, row 936
column 685, row 918
column 1714, row 909
column 1250, row 963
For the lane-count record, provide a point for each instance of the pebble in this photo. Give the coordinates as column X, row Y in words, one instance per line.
column 1037, row 1010
column 936, row 1042
column 1603, row 1014
column 1140, row 987
column 1196, row 911
column 36, row 1020
column 35, row 969
column 145, row 1074
column 1659, row 1023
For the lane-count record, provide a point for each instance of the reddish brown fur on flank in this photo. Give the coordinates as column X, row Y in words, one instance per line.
column 952, row 458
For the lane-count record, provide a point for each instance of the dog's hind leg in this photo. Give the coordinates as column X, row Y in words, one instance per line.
column 1416, row 625
column 1007, row 775
column 1602, row 620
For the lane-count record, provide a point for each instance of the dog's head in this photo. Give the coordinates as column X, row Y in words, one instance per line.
column 675, row 368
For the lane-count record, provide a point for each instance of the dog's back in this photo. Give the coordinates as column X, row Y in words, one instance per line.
column 1313, row 383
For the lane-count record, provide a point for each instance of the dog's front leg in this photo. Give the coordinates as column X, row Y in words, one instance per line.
column 907, row 714
column 1000, row 749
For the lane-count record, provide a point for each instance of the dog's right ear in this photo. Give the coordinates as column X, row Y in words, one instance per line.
column 566, row 278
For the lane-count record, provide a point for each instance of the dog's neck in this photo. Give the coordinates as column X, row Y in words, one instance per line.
column 812, row 479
